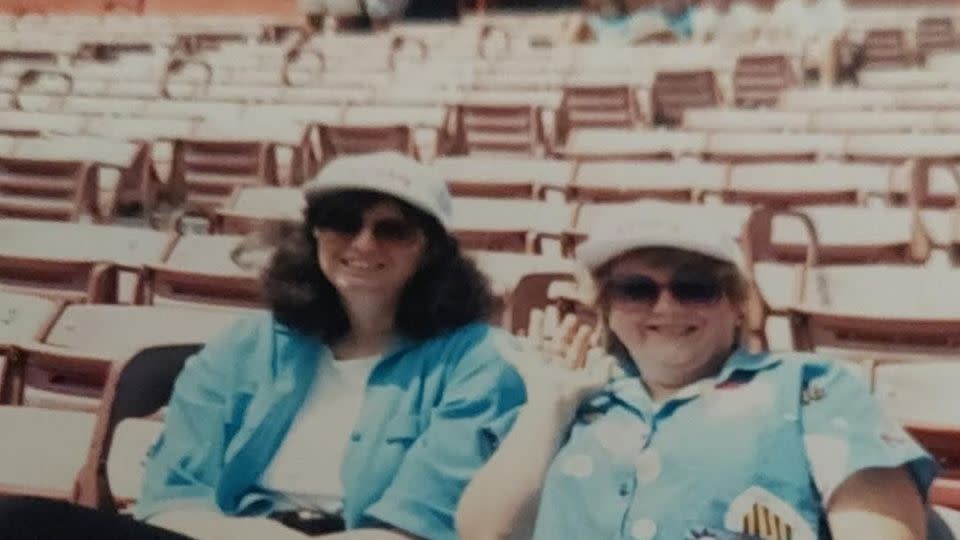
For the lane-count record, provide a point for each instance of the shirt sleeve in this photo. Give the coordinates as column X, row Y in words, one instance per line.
column 845, row 431
column 476, row 412
column 183, row 466
column 386, row 9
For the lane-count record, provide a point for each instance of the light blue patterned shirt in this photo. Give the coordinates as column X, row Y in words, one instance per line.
column 754, row 453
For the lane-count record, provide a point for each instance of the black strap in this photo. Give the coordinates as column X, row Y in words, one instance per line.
column 309, row 522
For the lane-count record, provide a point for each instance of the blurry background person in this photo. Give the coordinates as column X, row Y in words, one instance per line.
column 818, row 26
column 728, row 22
column 352, row 14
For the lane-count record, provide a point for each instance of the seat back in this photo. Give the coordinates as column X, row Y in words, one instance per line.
column 137, row 388
column 885, row 48
column 77, row 281
column 676, row 91
column 59, row 190
column 934, row 34
column 347, row 140
column 596, row 106
column 209, row 170
column 758, row 79
column 203, row 269
column 874, row 312
column 513, row 129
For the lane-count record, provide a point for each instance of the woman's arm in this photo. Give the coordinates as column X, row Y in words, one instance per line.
column 881, row 504
column 871, row 475
column 185, row 464
column 502, row 499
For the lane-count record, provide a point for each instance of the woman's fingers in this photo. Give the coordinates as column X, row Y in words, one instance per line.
column 535, row 327
column 551, row 320
column 556, row 345
column 576, row 354
column 567, row 329
column 596, row 336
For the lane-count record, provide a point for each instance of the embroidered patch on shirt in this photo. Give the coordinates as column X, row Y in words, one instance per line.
column 812, row 393
column 762, row 514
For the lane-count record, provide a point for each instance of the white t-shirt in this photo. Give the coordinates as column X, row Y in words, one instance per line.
column 306, row 468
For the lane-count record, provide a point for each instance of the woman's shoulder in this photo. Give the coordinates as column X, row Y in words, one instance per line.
column 468, row 347
column 247, row 337
column 464, row 338
column 811, row 366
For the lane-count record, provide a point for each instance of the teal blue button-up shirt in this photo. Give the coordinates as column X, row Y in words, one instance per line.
column 432, row 414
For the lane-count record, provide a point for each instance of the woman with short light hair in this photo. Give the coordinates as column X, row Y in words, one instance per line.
column 675, row 431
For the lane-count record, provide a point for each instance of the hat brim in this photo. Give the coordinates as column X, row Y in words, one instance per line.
column 595, row 253
column 328, row 188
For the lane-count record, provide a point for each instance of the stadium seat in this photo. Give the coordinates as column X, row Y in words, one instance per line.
column 624, row 181
column 676, row 91
column 200, row 270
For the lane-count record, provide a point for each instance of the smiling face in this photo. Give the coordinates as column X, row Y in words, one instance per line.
column 370, row 253
column 677, row 320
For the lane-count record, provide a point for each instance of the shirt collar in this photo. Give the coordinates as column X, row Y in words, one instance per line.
column 742, row 361
column 628, row 387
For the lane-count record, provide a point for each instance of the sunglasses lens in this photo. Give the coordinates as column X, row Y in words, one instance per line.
column 634, row 289
column 696, row 291
column 342, row 223
column 395, row 230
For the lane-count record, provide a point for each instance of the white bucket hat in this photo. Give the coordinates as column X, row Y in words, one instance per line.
column 656, row 224
column 390, row 173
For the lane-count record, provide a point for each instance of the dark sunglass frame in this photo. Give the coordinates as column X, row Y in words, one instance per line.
column 698, row 289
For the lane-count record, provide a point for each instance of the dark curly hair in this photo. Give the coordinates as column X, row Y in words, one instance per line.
column 447, row 290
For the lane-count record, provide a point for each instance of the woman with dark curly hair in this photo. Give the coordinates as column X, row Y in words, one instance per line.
column 362, row 402
column 372, row 390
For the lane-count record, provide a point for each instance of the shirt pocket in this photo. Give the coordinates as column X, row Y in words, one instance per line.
column 403, row 429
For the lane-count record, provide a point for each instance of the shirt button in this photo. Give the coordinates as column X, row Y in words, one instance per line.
column 648, row 466
column 578, row 466
column 643, row 529
column 355, row 436
column 624, row 489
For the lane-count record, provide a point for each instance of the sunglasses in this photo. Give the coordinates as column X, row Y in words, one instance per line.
column 388, row 231
column 639, row 289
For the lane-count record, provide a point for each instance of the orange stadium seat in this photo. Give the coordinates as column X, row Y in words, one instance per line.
column 759, row 79
column 199, row 269
column 209, row 170
column 509, row 129
column 613, row 106
column 346, row 140
column 63, row 190
column 676, row 91
column 623, row 181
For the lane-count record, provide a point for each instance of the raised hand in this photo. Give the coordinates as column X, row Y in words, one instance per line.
column 558, row 361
